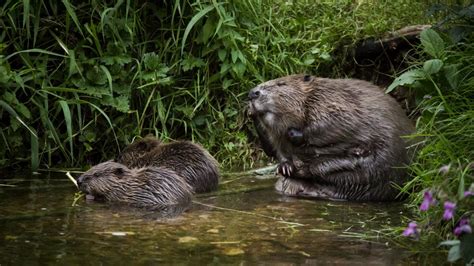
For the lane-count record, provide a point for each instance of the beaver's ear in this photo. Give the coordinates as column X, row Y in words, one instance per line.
column 307, row 78
column 119, row 171
column 142, row 146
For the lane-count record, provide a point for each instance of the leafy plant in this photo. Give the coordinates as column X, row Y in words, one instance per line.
column 444, row 87
column 81, row 79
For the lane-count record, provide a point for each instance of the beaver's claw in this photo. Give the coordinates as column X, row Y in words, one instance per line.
column 285, row 169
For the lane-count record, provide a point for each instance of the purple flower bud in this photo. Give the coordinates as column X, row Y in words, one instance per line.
column 468, row 193
column 427, row 201
column 411, row 230
column 463, row 227
column 449, row 208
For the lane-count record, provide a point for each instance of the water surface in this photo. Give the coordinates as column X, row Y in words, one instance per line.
column 245, row 222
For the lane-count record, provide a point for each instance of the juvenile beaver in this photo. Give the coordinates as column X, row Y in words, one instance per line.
column 334, row 138
column 187, row 159
column 141, row 187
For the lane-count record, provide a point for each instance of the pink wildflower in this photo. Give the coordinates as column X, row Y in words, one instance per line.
column 411, row 230
column 427, row 201
column 449, row 208
column 463, row 227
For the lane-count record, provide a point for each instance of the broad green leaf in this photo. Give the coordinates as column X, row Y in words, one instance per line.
column 9, row 97
column 152, row 61
column 308, row 61
column 116, row 59
column 193, row 22
column 96, row 75
column 454, row 253
column 235, row 55
column 406, row 78
column 207, row 30
column 222, row 53
column 450, row 243
column 432, row 66
column 451, row 74
column 120, row 103
column 432, row 43
column 239, row 68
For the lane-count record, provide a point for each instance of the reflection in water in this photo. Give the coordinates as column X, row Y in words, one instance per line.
column 245, row 222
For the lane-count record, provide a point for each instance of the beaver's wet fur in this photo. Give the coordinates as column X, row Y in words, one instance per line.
column 334, row 138
column 152, row 187
column 187, row 159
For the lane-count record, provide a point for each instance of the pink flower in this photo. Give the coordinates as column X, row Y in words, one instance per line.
column 468, row 193
column 411, row 230
column 449, row 208
column 427, row 201
column 463, row 227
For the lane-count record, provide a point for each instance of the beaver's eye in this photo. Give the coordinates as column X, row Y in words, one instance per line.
column 307, row 78
column 281, row 83
column 118, row 171
column 142, row 146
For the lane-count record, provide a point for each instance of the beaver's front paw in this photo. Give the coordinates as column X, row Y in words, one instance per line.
column 285, row 169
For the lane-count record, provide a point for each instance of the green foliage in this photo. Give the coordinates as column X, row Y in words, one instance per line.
column 80, row 79
column 444, row 87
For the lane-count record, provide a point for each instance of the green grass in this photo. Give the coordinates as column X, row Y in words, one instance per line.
column 91, row 76
column 443, row 83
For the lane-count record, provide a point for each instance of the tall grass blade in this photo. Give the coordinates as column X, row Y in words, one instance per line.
column 35, row 50
column 26, row 17
column 72, row 14
column 106, row 118
column 193, row 22
column 33, row 135
column 68, row 120
column 109, row 78
column 12, row 112
column 35, row 160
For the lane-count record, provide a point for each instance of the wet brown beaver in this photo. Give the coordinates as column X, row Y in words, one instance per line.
column 333, row 138
column 155, row 187
column 187, row 159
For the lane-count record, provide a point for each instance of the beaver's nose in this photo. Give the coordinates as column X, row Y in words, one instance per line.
column 254, row 94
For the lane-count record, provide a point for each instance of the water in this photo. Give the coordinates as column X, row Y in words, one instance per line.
column 245, row 222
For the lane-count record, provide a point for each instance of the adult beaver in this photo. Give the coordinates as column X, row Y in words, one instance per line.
column 154, row 187
column 187, row 159
column 333, row 138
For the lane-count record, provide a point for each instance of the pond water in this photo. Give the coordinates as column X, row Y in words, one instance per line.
column 245, row 222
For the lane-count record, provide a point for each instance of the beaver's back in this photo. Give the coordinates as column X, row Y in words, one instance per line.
column 188, row 159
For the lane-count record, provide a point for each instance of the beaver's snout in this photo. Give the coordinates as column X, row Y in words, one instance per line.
column 80, row 180
column 254, row 93
column 83, row 183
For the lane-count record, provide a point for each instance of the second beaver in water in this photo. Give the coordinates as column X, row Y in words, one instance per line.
column 154, row 187
column 334, row 138
column 187, row 159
